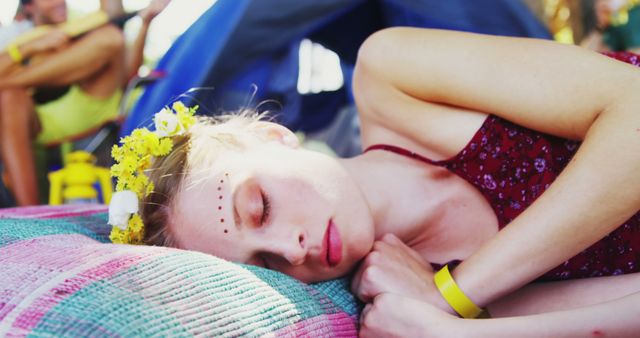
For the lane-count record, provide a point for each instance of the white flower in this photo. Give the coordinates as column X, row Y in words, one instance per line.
column 123, row 204
column 167, row 123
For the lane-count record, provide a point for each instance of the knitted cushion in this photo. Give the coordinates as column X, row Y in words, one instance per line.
column 60, row 276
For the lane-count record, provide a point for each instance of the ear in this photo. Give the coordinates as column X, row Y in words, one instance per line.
column 270, row 131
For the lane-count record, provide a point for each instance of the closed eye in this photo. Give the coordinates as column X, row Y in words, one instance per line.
column 266, row 208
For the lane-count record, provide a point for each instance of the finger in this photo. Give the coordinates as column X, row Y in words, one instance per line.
column 357, row 287
column 416, row 256
column 390, row 239
column 384, row 249
column 355, row 281
column 380, row 246
column 365, row 311
column 371, row 284
column 367, row 321
column 357, row 277
column 394, row 241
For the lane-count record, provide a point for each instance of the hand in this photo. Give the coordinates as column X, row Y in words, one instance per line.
column 154, row 8
column 396, row 316
column 53, row 39
column 394, row 267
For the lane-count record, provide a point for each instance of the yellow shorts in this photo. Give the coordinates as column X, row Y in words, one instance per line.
column 75, row 113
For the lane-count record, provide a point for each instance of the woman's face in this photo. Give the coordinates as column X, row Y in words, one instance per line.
column 291, row 210
column 50, row 12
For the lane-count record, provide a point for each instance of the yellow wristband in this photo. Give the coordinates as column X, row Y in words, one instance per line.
column 453, row 295
column 14, row 53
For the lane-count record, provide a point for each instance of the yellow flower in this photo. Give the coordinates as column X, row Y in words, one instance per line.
column 135, row 223
column 151, row 140
column 164, row 148
column 144, row 163
column 117, row 236
column 117, row 153
column 185, row 116
column 180, row 108
column 134, row 156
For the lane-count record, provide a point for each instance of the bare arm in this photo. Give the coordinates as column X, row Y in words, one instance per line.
column 6, row 63
column 412, row 318
column 135, row 53
column 113, row 7
column 616, row 318
column 597, row 307
column 557, row 89
column 565, row 295
column 52, row 40
column 71, row 64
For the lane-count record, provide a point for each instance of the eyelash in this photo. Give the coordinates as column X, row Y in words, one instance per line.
column 266, row 208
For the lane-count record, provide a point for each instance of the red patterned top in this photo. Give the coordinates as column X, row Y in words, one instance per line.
column 512, row 166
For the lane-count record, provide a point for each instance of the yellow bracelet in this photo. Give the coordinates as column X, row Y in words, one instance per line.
column 453, row 295
column 14, row 53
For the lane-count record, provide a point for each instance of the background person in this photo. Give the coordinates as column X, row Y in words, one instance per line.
column 89, row 72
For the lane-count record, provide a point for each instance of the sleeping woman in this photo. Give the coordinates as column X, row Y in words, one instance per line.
column 491, row 165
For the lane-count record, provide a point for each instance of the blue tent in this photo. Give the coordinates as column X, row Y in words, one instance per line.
column 243, row 52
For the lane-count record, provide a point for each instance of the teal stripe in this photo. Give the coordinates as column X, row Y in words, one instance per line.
column 339, row 291
column 107, row 309
column 311, row 300
column 17, row 229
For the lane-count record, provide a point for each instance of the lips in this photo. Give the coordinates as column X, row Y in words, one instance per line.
column 332, row 245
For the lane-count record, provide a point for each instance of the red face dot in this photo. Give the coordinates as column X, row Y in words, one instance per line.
column 219, row 207
column 220, row 197
column 219, row 188
column 222, row 220
column 225, row 231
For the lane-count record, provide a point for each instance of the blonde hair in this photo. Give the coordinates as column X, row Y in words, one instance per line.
column 195, row 149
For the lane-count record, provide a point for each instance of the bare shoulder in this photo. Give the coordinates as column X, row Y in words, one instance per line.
column 433, row 130
column 435, row 87
column 390, row 115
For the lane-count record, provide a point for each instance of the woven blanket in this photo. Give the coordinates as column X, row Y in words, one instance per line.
column 60, row 276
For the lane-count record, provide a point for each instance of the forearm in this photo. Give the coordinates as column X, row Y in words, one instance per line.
column 81, row 59
column 8, row 65
column 616, row 318
column 135, row 53
column 564, row 295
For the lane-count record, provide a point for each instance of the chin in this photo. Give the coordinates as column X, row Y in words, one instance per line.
column 59, row 20
column 323, row 277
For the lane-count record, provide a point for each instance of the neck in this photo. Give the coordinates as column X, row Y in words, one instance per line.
column 429, row 208
column 406, row 197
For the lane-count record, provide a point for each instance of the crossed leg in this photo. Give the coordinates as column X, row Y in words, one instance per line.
column 95, row 62
column 18, row 127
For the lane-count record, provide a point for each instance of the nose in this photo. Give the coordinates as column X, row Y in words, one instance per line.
column 293, row 247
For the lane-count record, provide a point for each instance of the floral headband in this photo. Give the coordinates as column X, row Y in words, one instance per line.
column 132, row 158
